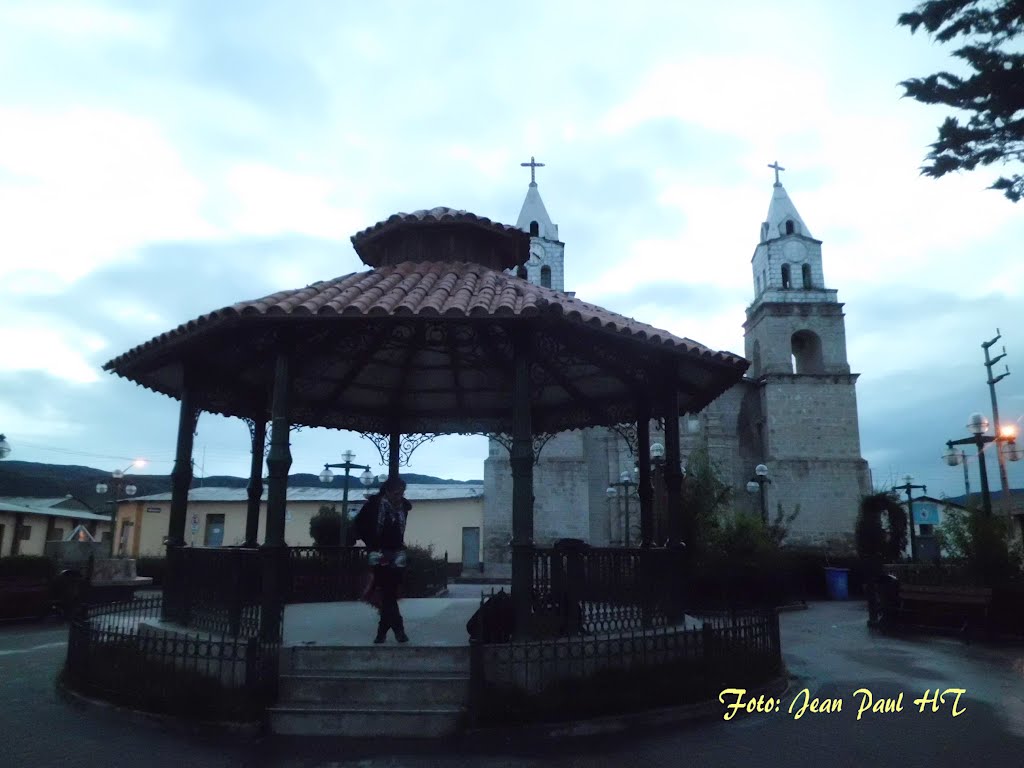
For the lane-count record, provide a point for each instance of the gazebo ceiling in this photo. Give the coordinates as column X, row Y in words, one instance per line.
column 427, row 347
column 424, row 343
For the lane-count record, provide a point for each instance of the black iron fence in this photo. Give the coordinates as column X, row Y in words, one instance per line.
column 325, row 574
column 123, row 653
column 592, row 589
column 215, row 589
column 591, row 675
column 222, row 589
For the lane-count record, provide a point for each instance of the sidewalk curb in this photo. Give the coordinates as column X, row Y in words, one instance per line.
column 611, row 724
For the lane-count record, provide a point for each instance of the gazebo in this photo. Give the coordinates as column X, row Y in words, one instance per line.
column 435, row 338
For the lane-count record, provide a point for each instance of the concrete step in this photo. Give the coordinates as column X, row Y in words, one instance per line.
column 363, row 689
column 425, row 722
column 375, row 659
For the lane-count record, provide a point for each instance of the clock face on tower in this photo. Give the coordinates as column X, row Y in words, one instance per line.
column 536, row 254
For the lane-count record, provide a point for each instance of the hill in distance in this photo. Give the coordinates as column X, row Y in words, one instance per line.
column 26, row 478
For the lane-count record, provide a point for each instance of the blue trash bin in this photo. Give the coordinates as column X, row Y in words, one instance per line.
column 837, row 583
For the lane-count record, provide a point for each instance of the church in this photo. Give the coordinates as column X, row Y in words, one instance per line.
column 794, row 413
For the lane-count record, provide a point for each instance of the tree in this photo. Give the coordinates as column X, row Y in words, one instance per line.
column 880, row 542
column 992, row 94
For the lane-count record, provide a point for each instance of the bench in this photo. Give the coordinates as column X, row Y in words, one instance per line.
column 961, row 608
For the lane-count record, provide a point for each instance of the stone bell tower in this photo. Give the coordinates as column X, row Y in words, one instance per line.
column 562, row 484
column 795, row 338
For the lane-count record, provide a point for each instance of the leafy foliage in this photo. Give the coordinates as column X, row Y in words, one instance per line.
column 881, row 541
column 327, row 527
column 983, row 543
column 992, row 93
column 705, row 498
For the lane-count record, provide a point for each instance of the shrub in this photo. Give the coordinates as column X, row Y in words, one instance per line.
column 983, row 543
column 327, row 527
column 880, row 541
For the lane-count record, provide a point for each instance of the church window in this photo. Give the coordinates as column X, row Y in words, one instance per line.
column 545, row 276
column 785, row 276
column 521, row 273
column 534, row 229
column 807, row 357
column 806, row 270
column 790, row 227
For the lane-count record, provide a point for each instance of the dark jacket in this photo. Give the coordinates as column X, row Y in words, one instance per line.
column 365, row 527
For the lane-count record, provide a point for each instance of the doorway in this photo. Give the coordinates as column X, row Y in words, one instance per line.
column 214, row 536
column 470, row 549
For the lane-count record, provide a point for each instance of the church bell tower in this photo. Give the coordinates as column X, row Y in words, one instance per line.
column 795, row 338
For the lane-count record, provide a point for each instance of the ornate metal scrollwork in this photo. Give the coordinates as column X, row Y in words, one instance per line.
column 407, row 444
column 539, row 441
column 628, row 432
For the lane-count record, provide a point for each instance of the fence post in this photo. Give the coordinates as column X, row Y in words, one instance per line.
column 235, row 593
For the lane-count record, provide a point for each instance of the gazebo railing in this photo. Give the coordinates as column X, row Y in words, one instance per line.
column 325, row 574
column 217, row 589
column 601, row 589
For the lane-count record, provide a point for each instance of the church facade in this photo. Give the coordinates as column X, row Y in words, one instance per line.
column 795, row 411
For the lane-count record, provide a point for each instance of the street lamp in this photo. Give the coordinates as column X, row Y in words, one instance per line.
column 977, row 425
column 118, row 487
column 5, row 447
column 628, row 485
column 327, row 477
column 757, row 483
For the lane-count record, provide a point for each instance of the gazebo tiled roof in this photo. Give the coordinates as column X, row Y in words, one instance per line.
column 425, row 342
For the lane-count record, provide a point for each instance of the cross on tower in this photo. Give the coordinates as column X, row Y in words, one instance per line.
column 533, row 165
column 777, row 168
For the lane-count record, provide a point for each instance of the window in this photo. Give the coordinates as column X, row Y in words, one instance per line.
column 521, row 273
column 786, row 283
column 545, row 276
column 24, row 533
column 534, row 229
column 790, row 227
column 806, row 348
column 806, row 272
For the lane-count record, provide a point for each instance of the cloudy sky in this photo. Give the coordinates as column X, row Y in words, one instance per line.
column 160, row 160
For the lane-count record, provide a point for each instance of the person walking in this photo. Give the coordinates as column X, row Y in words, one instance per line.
column 381, row 526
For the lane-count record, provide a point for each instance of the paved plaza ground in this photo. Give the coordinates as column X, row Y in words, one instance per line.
column 829, row 652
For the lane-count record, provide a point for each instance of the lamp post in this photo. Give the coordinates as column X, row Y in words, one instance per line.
column 908, row 488
column 118, row 487
column 5, row 447
column 628, row 486
column 977, row 425
column 327, row 477
column 757, row 483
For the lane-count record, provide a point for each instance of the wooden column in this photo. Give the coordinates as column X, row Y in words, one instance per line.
column 521, row 459
column 644, row 489
column 394, row 452
column 673, row 474
column 279, row 461
column 175, row 604
column 255, row 489
column 181, row 475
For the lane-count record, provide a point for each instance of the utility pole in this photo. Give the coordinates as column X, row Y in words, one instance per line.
column 908, row 488
column 1004, row 482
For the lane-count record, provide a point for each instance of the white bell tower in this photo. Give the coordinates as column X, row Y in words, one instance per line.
column 546, row 266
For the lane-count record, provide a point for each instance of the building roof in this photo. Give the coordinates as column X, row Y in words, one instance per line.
column 781, row 209
column 933, row 500
column 441, row 233
column 414, row 492
column 27, row 505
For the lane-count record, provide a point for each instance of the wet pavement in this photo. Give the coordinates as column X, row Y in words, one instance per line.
column 830, row 654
